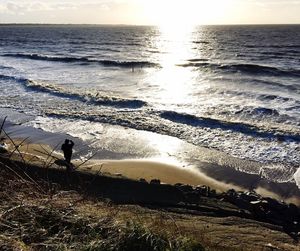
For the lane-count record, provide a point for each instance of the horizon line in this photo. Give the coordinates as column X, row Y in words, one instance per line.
column 120, row 24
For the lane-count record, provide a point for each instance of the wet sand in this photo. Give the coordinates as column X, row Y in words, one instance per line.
column 172, row 174
column 149, row 170
column 201, row 167
column 135, row 169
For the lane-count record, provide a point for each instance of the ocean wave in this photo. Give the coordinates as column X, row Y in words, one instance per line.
column 288, row 87
column 247, row 129
column 294, row 108
column 97, row 98
column 282, row 46
column 201, row 42
column 108, row 63
column 198, row 64
column 259, row 111
column 295, row 46
column 93, row 98
column 197, row 60
column 273, row 97
column 252, row 95
column 244, row 68
column 292, row 51
column 259, row 82
column 280, row 148
column 5, row 77
column 260, row 69
column 261, row 96
column 6, row 67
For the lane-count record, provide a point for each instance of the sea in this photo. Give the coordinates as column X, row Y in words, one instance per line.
column 233, row 89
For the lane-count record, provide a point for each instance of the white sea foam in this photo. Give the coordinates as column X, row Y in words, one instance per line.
column 241, row 98
column 297, row 177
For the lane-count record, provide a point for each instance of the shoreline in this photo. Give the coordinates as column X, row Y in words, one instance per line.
column 171, row 174
column 219, row 175
column 143, row 169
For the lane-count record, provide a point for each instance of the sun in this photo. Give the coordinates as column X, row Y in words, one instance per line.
column 184, row 13
column 167, row 13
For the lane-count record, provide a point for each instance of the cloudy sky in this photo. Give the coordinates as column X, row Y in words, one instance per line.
column 150, row 11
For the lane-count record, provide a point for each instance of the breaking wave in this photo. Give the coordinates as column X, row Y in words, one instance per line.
column 247, row 129
column 259, row 111
column 96, row 99
column 84, row 60
column 244, row 68
column 4, row 77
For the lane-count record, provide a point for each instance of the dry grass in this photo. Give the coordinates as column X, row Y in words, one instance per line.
column 39, row 215
column 32, row 217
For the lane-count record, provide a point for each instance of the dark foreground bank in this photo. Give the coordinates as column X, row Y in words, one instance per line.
column 194, row 204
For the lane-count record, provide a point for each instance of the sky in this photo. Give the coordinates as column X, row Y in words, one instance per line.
column 151, row 12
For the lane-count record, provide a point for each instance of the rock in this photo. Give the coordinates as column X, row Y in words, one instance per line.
column 193, row 197
column 275, row 205
column 178, row 185
column 203, row 190
column 213, row 193
column 294, row 210
column 186, row 188
column 143, row 180
column 249, row 196
column 231, row 193
column 155, row 181
column 255, row 202
column 258, row 210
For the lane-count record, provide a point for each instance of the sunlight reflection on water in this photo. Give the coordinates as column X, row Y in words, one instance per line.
column 175, row 82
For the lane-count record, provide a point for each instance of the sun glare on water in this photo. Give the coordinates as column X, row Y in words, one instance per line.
column 176, row 21
column 175, row 44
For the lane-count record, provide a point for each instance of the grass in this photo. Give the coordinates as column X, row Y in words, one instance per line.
column 47, row 227
column 33, row 217
column 36, row 214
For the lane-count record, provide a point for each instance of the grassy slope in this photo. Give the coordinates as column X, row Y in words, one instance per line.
column 39, row 215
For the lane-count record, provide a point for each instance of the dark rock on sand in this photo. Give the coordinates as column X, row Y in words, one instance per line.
column 155, row 181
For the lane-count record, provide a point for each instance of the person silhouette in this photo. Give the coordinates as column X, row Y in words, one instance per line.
column 67, row 148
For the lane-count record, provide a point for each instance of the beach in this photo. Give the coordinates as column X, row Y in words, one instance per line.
column 161, row 162
column 217, row 103
column 168, row 199
column 150, row 125
column 82, row 204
